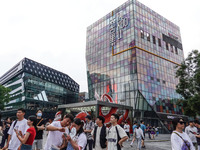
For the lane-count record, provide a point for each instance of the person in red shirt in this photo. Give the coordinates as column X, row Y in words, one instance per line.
column 28, row 138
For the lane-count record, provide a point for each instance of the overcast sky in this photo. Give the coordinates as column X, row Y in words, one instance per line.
column 53, row 32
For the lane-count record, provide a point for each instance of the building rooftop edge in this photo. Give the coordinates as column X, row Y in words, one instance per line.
column 132, row 2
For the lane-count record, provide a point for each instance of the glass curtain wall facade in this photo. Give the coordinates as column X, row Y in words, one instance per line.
column 131, row 54
column 34, row 86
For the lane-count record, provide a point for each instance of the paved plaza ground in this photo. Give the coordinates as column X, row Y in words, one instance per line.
column 161, row 142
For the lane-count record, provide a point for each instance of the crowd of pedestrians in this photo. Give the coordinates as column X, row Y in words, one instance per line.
column 68, row 133
column 64, row 133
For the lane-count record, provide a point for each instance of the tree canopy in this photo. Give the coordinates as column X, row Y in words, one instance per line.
column 4, row 96
column 189, row 83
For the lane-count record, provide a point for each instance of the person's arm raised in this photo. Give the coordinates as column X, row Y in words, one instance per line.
column 52, row 128
column 23, row 139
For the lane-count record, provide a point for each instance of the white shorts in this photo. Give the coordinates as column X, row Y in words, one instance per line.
column 37, row 144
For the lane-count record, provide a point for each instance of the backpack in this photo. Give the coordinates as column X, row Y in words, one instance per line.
column 118, row 139
column 14, row 124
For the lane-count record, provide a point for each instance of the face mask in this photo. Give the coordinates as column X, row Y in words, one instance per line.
column 39, row 114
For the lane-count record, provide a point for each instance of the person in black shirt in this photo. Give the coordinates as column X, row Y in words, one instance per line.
column 122, row 124
column 37, row 144
column 99, row 134
column 6, row 127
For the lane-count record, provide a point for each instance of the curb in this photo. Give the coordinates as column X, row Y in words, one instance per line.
column 157, row 141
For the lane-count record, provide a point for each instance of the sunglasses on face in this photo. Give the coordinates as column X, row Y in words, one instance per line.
column 181, row 122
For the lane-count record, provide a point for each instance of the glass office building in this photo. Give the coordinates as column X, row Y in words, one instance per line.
column 34, row 86
column 131, row 54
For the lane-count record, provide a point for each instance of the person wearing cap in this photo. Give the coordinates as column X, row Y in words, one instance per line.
column 191, row 130
column 88, row 127
column 179, row 139
column 99, row 134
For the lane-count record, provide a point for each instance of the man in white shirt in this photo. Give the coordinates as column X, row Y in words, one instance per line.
column 179, row 139
column 21, row 125
column 191, row 131
column 127, row 129
column 99, row 134
column 56, row 130
column 116, row 134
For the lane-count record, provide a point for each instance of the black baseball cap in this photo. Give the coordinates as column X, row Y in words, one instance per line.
column 89, row 117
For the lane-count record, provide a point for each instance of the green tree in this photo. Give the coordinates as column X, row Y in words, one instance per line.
column 189, row 83
column 4, row 96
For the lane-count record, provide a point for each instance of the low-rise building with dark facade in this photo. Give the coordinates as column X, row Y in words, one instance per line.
column 34, row 85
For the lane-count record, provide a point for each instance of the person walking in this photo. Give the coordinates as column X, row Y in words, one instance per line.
column 134, row 126
column 153, row 132
column 127, row 129
column 143, row 127
column 139, row 135
column 39, row 132
column 21, row 125
column 156, row 130
column 179, row 139
column 99, row 134
column 56, row 130
column 191, row 130
column 27, row 139
column 149, row 130
column 116, row 134
column 88, row 127
column 6, row 127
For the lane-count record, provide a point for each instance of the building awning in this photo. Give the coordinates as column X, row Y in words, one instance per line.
column 93, row 103
column 170, row 117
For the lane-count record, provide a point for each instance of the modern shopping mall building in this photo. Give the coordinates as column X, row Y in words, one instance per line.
column 34, row 85
column 131, row 54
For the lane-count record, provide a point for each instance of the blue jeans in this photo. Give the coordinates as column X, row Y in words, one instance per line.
column 139, row 140
column 69, row 146
column 53, row 148
column 26, row 147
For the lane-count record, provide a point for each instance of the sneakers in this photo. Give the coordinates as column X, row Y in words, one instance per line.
column 131, row 145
